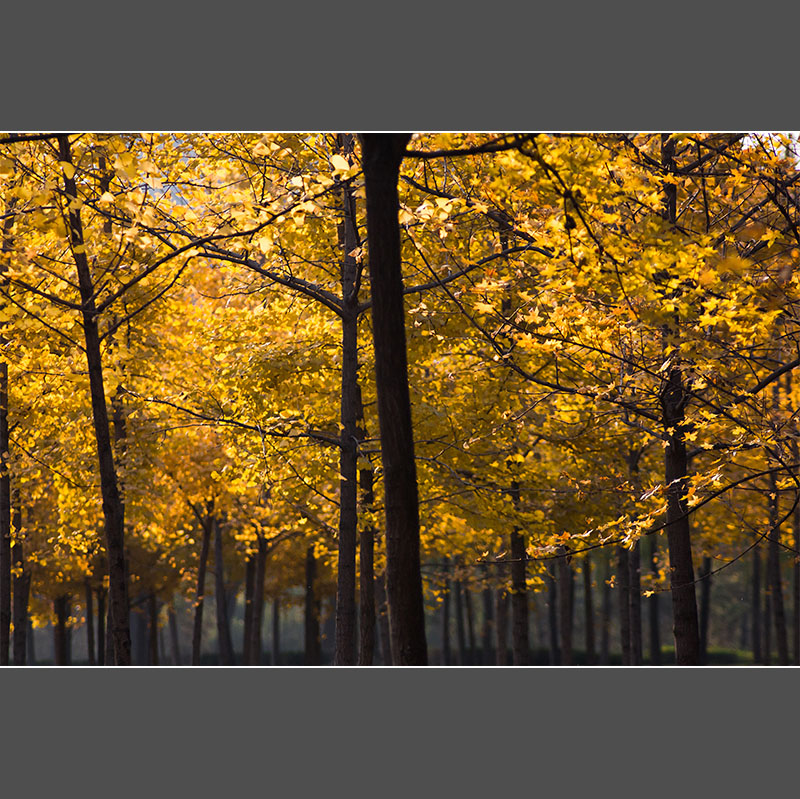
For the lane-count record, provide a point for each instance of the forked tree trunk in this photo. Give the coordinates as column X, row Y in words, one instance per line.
column 112, row 502
column 382, row 155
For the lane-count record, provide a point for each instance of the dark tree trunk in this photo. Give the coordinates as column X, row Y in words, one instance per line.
column 366, row 641
column 175, row 645
column 223, row 619
column 774, row 568
column 705, row 607
column 565, row 587
column 635, row 600
column 552, row 619
column 101, row 626
column 605, row 616
column 468, row 607
column 112, row 502
column 654, row 608
column 488, row 626
column 623, row 572
column 197, row 631
column 22, row 586
column 447, row 659
column 520, row 643
column 591, row 654
column 383, row 620
column 249, row 587
column 258, row 602
column 674, row 399
column 276, row 632
column 345, row 654
column 381, row 156
column 501, row 615
column 90, row 621
column 459, row 614
column 755, row 603
column 152, row 629
column 61, row 646
column 313, row 647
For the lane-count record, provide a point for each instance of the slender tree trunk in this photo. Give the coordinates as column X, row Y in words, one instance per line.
column 382, row 155
column 366, row 641
column 635, row 600
column 755, row 602
column 468, row 607
column 552, row 618
column 249, row 587
column 89, row 621
column 774, row 568
column 101, row 626
column 488, row 625
column 654, row 608
column 605, row 616
column 60, row 632
column 225, row 642
column 623, row 571
column 674, row 399
column 705, row 607
column 766, row 651
column 447, row 659
column 383, row 620
column 152, row 629
column 175, row 646
column 588, row 609
column 349, row 441
column 313, row 648
column 30, row 642
column 520, row 643
column 276, row 632
column 796, row 536
column 458, row 593
column 22, row 585
column 258, row 601
column 501, row 615
column 197, row 631
column 112, row 502
column 565, row 599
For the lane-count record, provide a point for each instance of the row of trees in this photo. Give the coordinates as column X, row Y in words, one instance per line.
column 379, row 361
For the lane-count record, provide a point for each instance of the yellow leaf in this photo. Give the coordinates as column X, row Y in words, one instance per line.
column 339, row 164
column 6, row 167
column 68, row 169
column 106, row 197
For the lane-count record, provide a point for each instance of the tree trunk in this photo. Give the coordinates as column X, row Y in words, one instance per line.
column 101, row 626
column 382, row 155
column 112, row 502
column 635, row 601
column 501, row 615
column 366, row 641
column 313, row 648
column 623, row 572
column 197, row 631
column 755, row 605
column 565, row 590
column 60, row 632
column 223, row 620
column 605, row 616
column 591, row 655
column 345, row 654
column 459, row 614
column 152, row 629
column 520, row 642
column 258, row 601
column 654, row 608
column 22, row 586
column 447, row 659
column 175, row 646
column 468, row 607
column 276, row 632
column 249, row 587
column 705, row 607
column 383, row 620
column 89, row 621
column 488, row 625
column 552, row 619
column 774, row 569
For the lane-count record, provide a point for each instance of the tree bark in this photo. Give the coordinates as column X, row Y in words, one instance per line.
column 249, row 587
column 623, row 572
column 112, row 502
column 458, row 594
column 565, row 603
column 755, row 605
column 635, row 603
column 60, row 631
column 366, row 642
column 224, row 640
column 605, row 616
column 258, row 601
column 501, row 615
column 276, row 632
column 101, row 626
column 552, row 619
column 705, row 607
column 447, row 659
column 520, row 641
column 383, row 620
column 313, row 647
column 152, row 629
column 588, row 609
column 488, row 624
column 468, row 608
column 175, row 646
column 382, row 155
column 22, row 585
column 654, row 608
column 89, row 621
column 774, row 567
column 197, row 630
